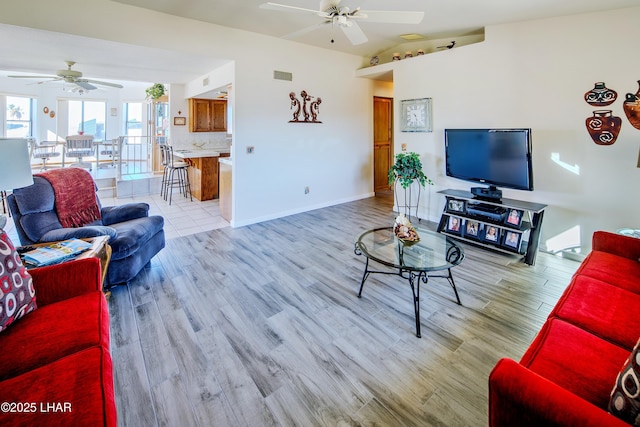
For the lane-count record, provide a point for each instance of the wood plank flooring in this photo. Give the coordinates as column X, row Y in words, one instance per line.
column 261, row 326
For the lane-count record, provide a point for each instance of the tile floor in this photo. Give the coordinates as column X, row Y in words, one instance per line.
column 182, row 218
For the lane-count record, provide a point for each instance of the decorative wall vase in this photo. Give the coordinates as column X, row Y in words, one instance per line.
column 631, row 108
column 603, row 127
column 600, row 95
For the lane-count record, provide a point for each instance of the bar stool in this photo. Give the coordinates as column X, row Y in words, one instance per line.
column 174, row 175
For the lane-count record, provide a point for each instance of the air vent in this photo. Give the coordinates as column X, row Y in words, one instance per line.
column 282, row 75
column 205, row 81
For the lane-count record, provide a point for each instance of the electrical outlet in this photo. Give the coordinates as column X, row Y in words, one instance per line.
column 306, row 190
column 250, row 149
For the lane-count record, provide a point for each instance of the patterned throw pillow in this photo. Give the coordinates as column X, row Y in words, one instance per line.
column 624, row 402
column 17, row 294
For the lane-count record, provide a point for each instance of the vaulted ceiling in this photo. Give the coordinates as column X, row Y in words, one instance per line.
column 443, row 20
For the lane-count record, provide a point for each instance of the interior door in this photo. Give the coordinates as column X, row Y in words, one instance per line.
column 382, row 142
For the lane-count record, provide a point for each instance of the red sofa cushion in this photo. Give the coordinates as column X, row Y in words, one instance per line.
column 79, row 386
column 603, row 309
column 575, row 360
column 614, row 269
column 54, row 331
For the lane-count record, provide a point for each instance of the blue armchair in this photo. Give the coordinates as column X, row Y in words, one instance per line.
column 135, row 237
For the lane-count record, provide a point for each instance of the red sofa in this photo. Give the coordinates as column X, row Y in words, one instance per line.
column 568, row 372
column 55, row 365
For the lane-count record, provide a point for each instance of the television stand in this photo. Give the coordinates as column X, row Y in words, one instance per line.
column 503, row 225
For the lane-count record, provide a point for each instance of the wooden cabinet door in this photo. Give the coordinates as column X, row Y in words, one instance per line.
column 382, row 142
column 207, row 115
column 199, row 115
column 219, row 116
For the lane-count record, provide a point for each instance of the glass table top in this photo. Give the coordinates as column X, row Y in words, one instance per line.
column 434, row 251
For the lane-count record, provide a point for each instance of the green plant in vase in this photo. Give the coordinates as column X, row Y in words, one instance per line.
column 155, row 91
column 406, row 169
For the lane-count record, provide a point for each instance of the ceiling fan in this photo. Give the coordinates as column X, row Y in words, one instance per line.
column 332, row 13
column 72, row 77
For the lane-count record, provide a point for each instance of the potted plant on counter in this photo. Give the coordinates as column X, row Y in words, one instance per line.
column 406, row 169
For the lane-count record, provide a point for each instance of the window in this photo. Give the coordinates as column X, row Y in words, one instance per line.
column 133, row 119
column 87, row 117
column 18, row 123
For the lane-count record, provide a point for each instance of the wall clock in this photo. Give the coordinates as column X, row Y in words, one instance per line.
column 415, row 115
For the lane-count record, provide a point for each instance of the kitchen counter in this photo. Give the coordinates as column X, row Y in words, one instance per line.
column 203, row 170
column 199, row 153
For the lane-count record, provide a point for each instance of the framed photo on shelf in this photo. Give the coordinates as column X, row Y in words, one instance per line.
column 514, row 217
column 512, row 240
column 454, row 224
column 415, row 115
column 456, row 206
column 472, row 229
column 492, row 234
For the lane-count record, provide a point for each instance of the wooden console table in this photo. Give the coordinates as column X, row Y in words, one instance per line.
column 99, row 249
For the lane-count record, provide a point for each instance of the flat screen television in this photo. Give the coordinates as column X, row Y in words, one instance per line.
column 497, row 157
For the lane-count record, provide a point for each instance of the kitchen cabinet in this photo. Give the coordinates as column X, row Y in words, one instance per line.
column 207, row 115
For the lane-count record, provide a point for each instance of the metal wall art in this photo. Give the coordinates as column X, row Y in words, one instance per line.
column 603, row 126
column 307, row 107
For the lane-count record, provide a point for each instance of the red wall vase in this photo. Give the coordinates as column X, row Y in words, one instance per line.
column 631, row 106
column 603, row 127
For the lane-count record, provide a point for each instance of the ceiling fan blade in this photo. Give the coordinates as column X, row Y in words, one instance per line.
column 34, row 77
column 98, row 82
column 287, row 8
column 354, row 33
column 296, row 34
column 84, row 84
column 390, row 16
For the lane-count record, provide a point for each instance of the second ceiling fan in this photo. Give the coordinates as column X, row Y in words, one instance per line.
column 332, row 13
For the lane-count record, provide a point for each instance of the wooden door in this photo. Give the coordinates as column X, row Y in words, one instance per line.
column 382, row 142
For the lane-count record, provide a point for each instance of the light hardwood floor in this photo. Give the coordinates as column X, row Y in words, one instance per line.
column 261, row 326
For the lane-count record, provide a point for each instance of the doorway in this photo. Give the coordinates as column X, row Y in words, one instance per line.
column 382, row 142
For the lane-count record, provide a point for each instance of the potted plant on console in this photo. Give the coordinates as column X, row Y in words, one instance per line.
column 155, row 92
column 407, row 169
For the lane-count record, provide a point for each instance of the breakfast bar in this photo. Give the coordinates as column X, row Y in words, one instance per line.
column 203, row 173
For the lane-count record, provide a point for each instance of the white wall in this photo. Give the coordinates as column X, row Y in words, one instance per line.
column 334, row 158
column 534, row 74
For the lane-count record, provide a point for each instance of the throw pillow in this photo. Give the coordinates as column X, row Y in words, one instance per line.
column 17, row 294
column 624, row 402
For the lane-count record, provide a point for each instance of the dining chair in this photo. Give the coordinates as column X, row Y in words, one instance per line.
column 80, row 146
column 44, row 150
column 111, row 149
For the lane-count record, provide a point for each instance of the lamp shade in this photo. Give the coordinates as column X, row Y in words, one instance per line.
column 15, row 165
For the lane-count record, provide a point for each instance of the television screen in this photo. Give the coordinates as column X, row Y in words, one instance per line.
column 497, row 157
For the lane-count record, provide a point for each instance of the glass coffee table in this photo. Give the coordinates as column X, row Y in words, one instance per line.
column 414, row 261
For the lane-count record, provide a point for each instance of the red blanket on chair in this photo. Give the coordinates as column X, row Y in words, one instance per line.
column 75, row 192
